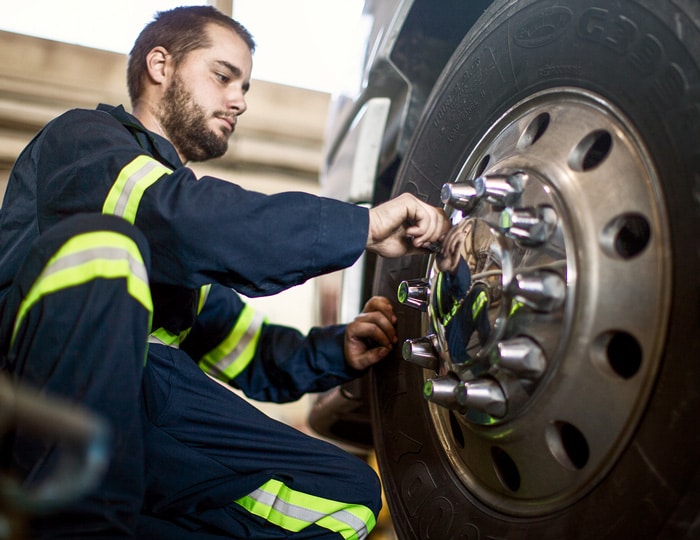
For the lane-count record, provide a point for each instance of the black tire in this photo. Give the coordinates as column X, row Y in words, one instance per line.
column 640, row 59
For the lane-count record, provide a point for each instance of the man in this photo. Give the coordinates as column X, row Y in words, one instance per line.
column 107, row 241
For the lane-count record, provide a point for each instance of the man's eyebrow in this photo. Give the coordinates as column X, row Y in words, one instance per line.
column 236, row 72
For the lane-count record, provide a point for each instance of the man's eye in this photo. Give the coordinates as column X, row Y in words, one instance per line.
column 222, row 78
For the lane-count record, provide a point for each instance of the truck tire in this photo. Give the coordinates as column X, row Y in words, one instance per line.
column 569, row 407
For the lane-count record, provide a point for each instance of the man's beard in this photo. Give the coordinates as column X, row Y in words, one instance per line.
column 185, row 124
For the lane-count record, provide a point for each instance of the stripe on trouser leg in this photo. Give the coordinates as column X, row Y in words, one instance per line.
column 294, row 511
column 88, row 256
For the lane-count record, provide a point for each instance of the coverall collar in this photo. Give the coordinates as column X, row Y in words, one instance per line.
column 149, row 141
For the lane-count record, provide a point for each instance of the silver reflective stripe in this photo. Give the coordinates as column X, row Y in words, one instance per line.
column 136, row 267
column 161, row 336
column 307, row 515
column 238, row 353
column 246, row 339
column 155, row 340
column 132, row 181
column 86, row 257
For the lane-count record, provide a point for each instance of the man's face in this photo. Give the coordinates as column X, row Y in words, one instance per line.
column 205, row 95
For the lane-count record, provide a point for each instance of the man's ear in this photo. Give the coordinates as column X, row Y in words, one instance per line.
column 158, row 64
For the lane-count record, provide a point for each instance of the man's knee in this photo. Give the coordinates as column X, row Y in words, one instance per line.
column 66, row 268
column 368, row 479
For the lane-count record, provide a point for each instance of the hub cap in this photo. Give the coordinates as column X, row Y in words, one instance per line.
column 544, row 314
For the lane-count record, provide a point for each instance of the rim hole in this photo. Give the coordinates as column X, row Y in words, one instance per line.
column 591, row 151
column 482, row 166
column 626, row 236
column 506, row 469
column 534, row 131
column 624, row 354
column 575, row 444
column 568, row 445
column 456, row 430
column 632, row 237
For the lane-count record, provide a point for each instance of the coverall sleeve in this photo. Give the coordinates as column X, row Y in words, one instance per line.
column 268, row 362
column 200, row 231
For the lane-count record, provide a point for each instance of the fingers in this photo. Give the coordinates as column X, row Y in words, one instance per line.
column 371, row 336
column 381, row 304
column 373, row 327
column 405, row 217
column 429, row 224
column 369, row 358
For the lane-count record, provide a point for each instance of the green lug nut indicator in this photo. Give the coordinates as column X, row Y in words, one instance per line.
column 402, row 293
column 505, row 220
column 406, row 350
column 428, row 388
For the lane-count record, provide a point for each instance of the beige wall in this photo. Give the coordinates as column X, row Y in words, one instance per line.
column 39, row 79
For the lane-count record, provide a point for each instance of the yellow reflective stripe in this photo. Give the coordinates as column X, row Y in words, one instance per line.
column 162, row 337
column 438, row 285
column 515, row 307
column 237, row 350
column 294, row 511
column 88, row 256
column 125, row 195
column 479, row 302
column 203, row 295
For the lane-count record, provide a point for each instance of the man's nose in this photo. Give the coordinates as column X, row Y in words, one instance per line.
column 237, row 102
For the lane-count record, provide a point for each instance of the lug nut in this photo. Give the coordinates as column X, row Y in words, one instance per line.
column 529, row 226
column 504, row 189
column 442, row 391
column 464, row 196
column 523, row 357
column 539, row 290
column 483, row 395
column 421, row 351
column 415, row 293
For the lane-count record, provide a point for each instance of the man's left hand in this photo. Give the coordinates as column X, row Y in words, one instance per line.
column 371, row 336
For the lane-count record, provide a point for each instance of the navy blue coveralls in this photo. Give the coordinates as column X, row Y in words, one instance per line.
column 117, row 276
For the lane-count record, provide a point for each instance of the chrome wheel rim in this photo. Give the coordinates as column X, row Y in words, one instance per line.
column 558, row 216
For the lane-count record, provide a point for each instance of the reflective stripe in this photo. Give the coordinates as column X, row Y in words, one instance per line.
column 515, row 307
column 203, row 295
column 294, row 511
column 154, row 339
column 162, row 337
column 445, row 318
column 237, row 350
column 438, row 288
column 125, row 195
column 88, row 256
column 479, row 302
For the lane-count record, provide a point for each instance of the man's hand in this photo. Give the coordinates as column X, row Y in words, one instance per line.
column 371, row 336
column 402, row 222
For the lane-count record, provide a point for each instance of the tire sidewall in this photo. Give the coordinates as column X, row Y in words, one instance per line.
column 629, row 53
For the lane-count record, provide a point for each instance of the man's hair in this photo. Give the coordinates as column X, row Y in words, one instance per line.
column 180, row 31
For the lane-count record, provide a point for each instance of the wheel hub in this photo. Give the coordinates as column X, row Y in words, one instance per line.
column 543, row 307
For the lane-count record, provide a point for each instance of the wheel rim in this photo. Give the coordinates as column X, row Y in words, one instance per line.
column 538, row 368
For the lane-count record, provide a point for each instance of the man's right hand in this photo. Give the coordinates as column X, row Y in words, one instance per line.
column 403, row 223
